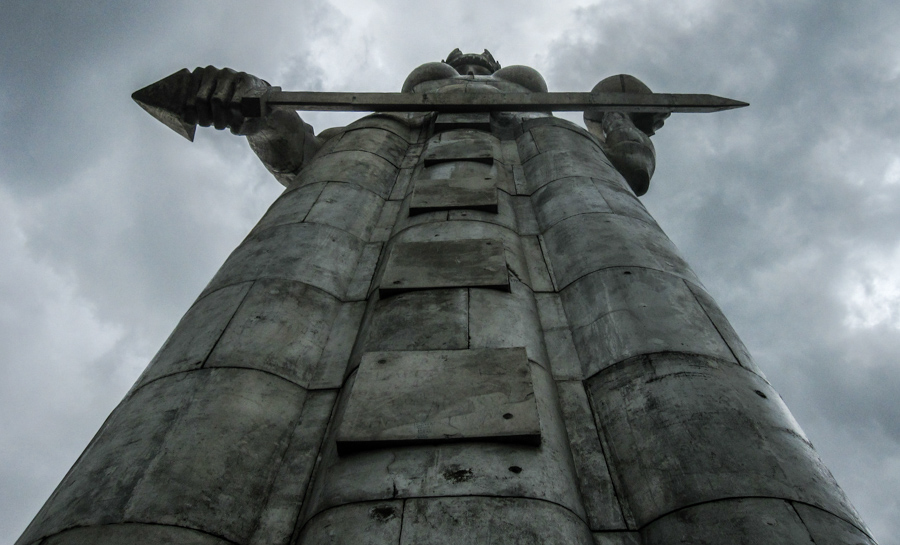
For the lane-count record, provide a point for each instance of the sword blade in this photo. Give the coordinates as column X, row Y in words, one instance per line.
column 486, row 102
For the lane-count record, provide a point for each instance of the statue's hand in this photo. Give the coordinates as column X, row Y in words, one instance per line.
column 215, row 99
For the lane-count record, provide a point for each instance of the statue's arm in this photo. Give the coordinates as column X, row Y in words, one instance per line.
column 625, row 137
column 281, row 140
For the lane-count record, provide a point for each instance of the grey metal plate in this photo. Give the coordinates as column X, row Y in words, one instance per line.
column 445, row 264
column 617, row 538
column 597, row 491
column 681, row 430
column 564, row 361
column 619, row 313
column 117, row 534
column 411, row 397
column 291, row 207
column 554, row 137
column 731, row 522
column 478, row 120
column 548, row 167
column 472, row 193
column 348, row 207
column 827, row 529
column 497, row 521
column 506, row 320
column 586, row 243
column 565, row 198
column 461, row 145
column 365, row 169
column 367, row 523
column 281, row 328
column 380, row 142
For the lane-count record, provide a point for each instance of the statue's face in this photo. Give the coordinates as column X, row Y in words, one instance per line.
column 472, row 70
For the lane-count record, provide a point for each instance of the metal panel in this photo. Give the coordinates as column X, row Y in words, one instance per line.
column 117, row 534
column 526, row 147
column 362, row 168
column 285, row 497
column 280, row 328
column 461, row 145
column 445, row 264
column 506, row 320
column 681, row 430
column 401, row 187
column 526, row 222
column 827, row 529
column 413, row 397
column 216, row 464
column 502, row 215
column 477, row 120
column 454, row 469
column 291, row 207
column 619, row 313
column 724, row 328
column 621, row 198
column 597, row 491
column 418, row 320
column 412, row 156
column 394, row 123
column 368, row 523
column 386, row 221
column 730, row 522
column 564, row 361
column 498, row 521
column 383, row 143
column 336, row 354
column 473, row 193
column 405, row 220
column 583, row 244
column 617, row 538
column 195, row 335
column 359, row 286
column 569, row 137
column 565, row 198
column 548, row 167
column 318, row 255
column 538, row 272
column 348, row 207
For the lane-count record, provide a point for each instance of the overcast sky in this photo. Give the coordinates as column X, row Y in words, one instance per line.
column 111, row 224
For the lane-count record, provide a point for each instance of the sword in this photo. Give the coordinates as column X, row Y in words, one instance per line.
column 165, row 99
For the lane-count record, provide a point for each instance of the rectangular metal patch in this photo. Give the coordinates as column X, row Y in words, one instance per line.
column 474, row 193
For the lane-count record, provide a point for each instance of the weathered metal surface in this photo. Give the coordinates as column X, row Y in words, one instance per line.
column 117, row 534
column 386, row 221
column 503, row 214
column 619, row 313
column 506, row 320
column 427, row 397
column 564, row 362
column 445, row 264
column 553, row 133
column 621, row 198
column 548, row 167
column 280, row 328
column 285, row 496
column 526, row 147
column 467, row 193
column 471, row 230
column 454, row 469
column 417, row 320
column 318, row 255
column 538, row 272
column 403, row 125
column 597, row 491
column 723, row 326
column 195, row 335
column 461, row 145
column 455, row 120
column 361, row 282
column 498, row 521
column 405, row 220
column 367, row 170
column 583, row 244
column 403, row 183
column 347, row 207
column 742, row 439
column 368, row 523
column 730, row 522
column 291, row 207
column 565, row 198
column 337, row 352
column 827, row 529
column 526, row 222
column 413, row 153
column 195, row 450
column 617, row 538
column 383, row 143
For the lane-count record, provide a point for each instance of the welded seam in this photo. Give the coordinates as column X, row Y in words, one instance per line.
column 132, row 523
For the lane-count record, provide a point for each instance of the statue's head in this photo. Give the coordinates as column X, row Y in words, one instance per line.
column 472, row 64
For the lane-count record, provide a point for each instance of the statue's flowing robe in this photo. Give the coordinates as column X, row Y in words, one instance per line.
column 452, row 329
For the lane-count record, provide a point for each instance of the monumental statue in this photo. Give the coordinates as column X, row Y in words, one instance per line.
column 457, row 325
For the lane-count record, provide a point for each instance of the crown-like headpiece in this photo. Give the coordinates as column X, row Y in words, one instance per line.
column 457, row 58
